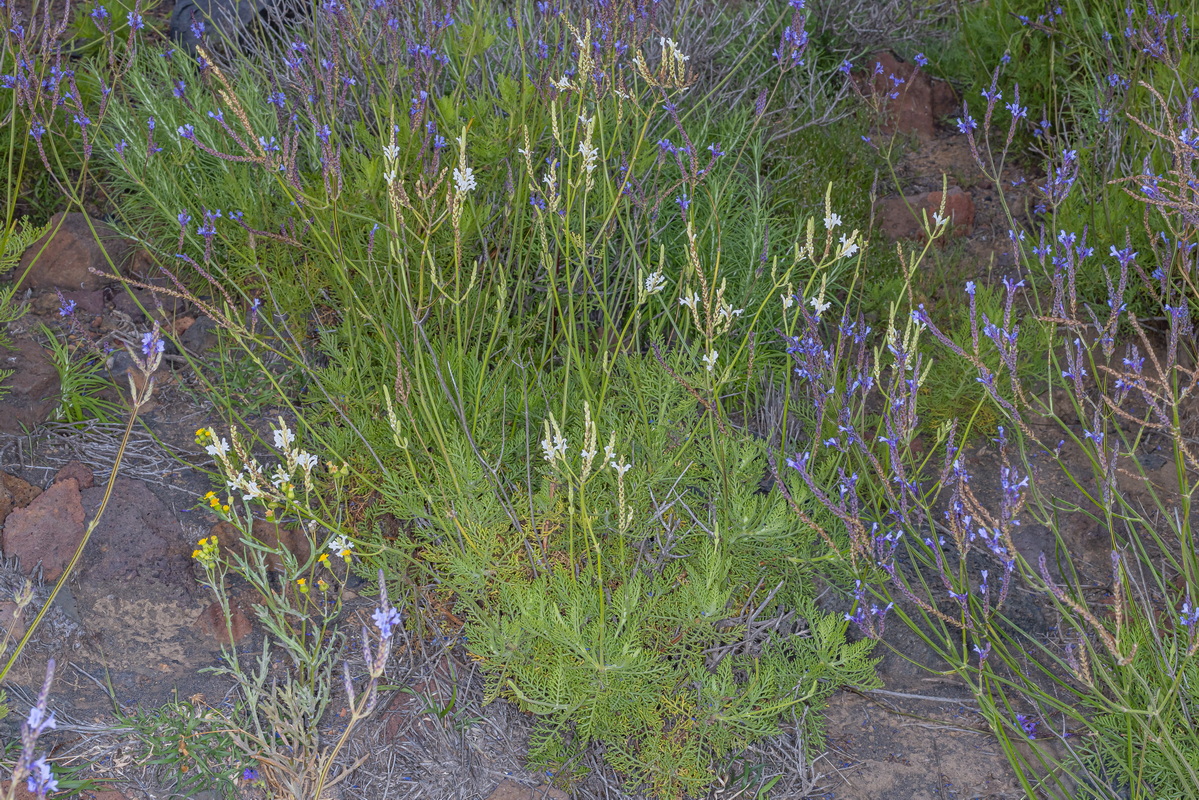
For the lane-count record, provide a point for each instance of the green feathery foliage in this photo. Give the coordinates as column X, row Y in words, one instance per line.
column 13, row 243
column 663, row 608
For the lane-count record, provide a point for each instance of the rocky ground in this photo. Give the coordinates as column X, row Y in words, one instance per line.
column 133, row 627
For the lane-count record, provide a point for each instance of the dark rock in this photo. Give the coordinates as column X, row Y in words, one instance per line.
column 85, row 302
column 32, row 389
column 126, row 300
column 200, row 336
column 62, row 258
column 268, row 534
column 211, row 622
column 912, row 110
column 120, row 366
column 944, row 100
column 137, row 539
column 225, row 18
column 48, row 530
column 21, row 491
column 230, row 20
column 896, row 221
column 156, row 297
column 80, row 472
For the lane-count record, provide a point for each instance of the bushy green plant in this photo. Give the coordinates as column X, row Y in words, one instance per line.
column 644, row 592
column 192, row 743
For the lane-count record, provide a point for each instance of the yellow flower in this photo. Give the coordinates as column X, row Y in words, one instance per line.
column 324, row 559
column 303, row 585
column 207, row 550
column 322, row 584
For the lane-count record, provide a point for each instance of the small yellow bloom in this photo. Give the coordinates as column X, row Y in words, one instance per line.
column 302, row 583
column 324, row 559
column 206, row 551
column 322, row 584
column 270, row 513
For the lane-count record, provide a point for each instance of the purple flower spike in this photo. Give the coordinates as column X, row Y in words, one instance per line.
column 1189, row 617
column 1028, row 724
column 385, row 620
column 152, row 343
column 41, row 780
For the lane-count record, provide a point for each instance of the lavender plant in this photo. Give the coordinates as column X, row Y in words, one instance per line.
column 54, row 108
column 1098, row 56
column 1099, row 711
